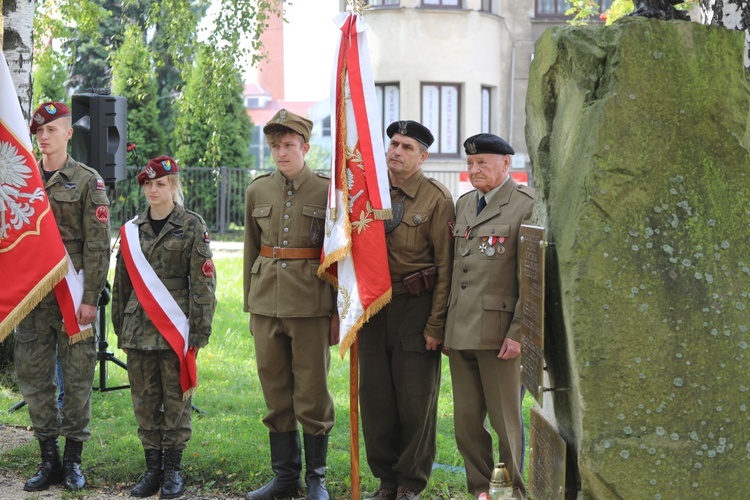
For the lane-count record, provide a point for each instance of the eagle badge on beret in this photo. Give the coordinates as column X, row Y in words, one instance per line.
column 471, row 148
column 282, row 116
column 402, row 128
column 150, row 172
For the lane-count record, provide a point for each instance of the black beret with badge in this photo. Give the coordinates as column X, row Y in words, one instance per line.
column 284, row 119
column 487, row 144
column 412, row 129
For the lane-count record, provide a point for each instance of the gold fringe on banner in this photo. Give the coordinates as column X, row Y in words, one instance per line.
column 33, row 298
column 82, row 335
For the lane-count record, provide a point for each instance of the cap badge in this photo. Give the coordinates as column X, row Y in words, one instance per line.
column 167, row 165
column 282, row 116
column 39, row 119
column 150, row 172
column 402, row 128
column 51, row 109
column 471, row 148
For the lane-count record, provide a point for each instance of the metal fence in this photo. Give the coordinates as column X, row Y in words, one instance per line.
column 217, row 194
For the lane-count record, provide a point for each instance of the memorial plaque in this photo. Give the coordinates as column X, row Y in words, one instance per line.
column 531, row 260
column 547, row 460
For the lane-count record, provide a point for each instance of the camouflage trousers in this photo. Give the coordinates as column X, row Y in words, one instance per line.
column 163, row 417
column 38, row 345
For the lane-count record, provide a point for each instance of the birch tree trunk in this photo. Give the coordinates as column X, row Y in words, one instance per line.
column 732, row 14
column 17, row 47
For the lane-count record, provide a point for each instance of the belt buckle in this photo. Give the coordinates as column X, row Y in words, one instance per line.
column 274, row 253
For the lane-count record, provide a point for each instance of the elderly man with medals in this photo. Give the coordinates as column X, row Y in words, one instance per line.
column 482, row 333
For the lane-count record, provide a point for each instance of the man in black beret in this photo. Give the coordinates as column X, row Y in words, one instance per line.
column 482, row 332
column 400, row 345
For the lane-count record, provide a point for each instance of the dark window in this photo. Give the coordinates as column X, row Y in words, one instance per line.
column 388, row 104
column 487, row 6
column 486, row 110
column 557, row 8
column 450, row 4
column 327, row 126
column 440, row 113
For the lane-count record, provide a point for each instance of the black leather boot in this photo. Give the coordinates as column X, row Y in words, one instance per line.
column 151, row 480
column 173, row 485
column 73, row 478
column 316, row 450
column 50, row 470
column 286, row 463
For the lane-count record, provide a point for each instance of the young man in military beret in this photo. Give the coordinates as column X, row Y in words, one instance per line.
column 79, row 202
column 400, row 346
column 293, row 318
column 483, row 334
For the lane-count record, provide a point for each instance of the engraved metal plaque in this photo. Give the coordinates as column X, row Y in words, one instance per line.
column 547, row 460
column 531, row 260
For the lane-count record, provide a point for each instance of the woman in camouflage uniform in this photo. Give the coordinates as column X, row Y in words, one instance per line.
column 170, row 245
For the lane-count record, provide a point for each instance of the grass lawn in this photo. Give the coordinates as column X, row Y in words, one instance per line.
column 228, row 454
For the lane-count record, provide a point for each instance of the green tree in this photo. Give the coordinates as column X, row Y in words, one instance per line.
column 133, row 76
column 50, row 72
column 212, row 127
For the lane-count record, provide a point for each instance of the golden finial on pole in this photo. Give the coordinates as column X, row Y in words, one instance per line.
column 358, row 6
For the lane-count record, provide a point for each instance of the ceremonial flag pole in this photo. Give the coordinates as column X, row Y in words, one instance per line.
column 32, row 255
column 354, row 257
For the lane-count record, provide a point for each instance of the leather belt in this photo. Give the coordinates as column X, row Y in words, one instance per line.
column 283, row 253
column 74, row 247
column 174, row 284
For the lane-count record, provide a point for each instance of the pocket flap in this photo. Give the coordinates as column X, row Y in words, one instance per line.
column 493, row 230
column 262, row 211
column 315, row 211
column 496, row 302
column 67, row 195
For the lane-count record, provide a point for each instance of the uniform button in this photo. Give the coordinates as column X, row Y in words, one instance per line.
column 471, row 236
column 466, row 269
column 288, row 203
column 315, row 212
column 286, row 229
column 285, row 243
column 283, row 265
column 463, row 285
column 286, row 217
column 289, row 193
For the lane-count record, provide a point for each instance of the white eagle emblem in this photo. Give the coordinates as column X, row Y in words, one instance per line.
column 15, row 205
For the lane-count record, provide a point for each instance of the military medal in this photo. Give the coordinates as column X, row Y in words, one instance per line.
column 463, row 248
column 483, row 245
column 500, row 249
column 490, row 251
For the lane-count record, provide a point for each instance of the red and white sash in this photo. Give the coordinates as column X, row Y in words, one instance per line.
column 69, row 293
column 159, row 305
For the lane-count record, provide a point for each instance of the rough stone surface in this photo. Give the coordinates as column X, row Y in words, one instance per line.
column 639, row 137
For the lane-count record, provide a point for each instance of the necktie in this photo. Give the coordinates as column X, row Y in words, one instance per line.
column 482, row 203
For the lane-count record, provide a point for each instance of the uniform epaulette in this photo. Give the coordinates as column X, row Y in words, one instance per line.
column 88, row 169
column 324, row 175
column 465, row 194
column 441, row 187
column 526, row 190
column 261, row 176
column 196, row 215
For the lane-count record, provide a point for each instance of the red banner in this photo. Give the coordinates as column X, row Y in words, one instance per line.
column 32, row 255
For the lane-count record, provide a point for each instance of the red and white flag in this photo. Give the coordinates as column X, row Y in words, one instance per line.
column 355, row 258
column 32, row 255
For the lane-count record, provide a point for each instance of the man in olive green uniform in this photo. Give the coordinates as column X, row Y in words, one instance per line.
column 78, row 200
column 400, row 345
column 292, row 315
column 482, row 333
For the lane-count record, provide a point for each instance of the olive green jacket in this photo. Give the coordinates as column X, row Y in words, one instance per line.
column 289, row 214
column 485, row 285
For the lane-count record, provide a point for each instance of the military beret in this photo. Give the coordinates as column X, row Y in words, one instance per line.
column 47, row 112
column 412, row 129
column 158, row 167
column 487, row 144
column 287, row 120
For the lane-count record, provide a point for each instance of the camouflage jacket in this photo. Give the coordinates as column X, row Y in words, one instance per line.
column 181, row 256
column 79, row 201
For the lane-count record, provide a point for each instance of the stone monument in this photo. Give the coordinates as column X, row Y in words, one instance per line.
column 639, row 136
